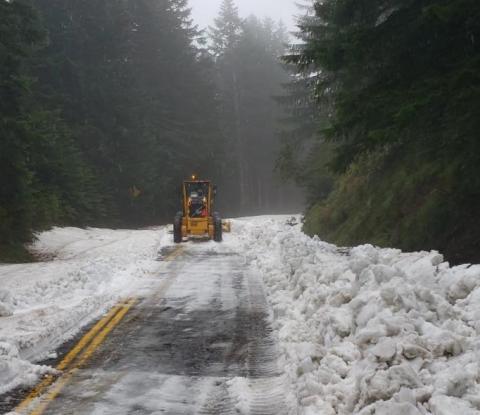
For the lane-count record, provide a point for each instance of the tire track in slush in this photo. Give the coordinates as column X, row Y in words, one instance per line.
column 261, row 389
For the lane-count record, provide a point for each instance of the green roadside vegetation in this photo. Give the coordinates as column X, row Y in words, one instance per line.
column 15, row 253
column 396, row 93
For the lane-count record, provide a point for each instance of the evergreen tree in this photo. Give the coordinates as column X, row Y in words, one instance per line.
column 225, row 33
column 43, row 178
column 178, row 103
column 260, row 79
column 20, row 32
column 224, row 36
column 249, row 74
column 305, row 154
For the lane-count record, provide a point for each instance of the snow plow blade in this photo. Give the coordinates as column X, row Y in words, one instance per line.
column 226, row 226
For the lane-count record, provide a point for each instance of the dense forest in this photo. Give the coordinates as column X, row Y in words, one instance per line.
column 385, row 122
column 106, row 106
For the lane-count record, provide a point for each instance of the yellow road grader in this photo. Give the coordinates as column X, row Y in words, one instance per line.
column 197, row 218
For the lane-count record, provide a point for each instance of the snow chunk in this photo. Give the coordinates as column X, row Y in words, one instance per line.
column 5, row 303
column 385, row 350
column 15, row 372
column 446, row 405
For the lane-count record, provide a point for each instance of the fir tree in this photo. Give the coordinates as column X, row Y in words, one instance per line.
column 249, row 75
column 43, row 178
column 225, row 32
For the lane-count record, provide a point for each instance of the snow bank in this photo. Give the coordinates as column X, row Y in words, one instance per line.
column 368, row 330
column 44, row 304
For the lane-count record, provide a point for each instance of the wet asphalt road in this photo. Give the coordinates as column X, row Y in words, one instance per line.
column 199, row 344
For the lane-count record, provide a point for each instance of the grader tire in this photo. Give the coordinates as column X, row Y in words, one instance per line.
column 177, row 228
column 217, row 229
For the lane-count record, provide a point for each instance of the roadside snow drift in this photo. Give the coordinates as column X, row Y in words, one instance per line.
column 44, row 304
column 369, row 330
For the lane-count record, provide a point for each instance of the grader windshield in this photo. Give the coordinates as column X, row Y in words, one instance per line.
column 198, row 199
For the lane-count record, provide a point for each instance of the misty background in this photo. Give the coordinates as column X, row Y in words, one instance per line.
column 204, row 11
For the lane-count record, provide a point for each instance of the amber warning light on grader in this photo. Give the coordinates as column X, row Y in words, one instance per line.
column 197, row 218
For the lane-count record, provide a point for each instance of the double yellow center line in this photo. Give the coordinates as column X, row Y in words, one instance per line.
column 47, row 390
column 50, row 387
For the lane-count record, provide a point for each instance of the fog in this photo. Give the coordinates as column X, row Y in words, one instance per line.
column 204, row 11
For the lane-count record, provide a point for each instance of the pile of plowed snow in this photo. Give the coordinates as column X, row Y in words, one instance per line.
column 44, row 304
column 369, row 330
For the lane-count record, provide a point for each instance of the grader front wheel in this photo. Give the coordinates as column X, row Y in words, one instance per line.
column 177, row 228
column 217, row 230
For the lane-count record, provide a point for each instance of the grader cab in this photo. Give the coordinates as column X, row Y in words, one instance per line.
column 197, row 218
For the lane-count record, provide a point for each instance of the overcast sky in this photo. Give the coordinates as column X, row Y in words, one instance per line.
column 205, row 10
